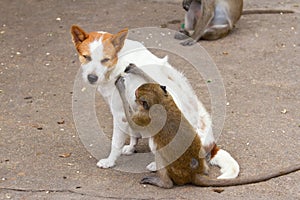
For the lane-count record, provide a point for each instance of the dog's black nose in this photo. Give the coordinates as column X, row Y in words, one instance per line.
column 92, row 78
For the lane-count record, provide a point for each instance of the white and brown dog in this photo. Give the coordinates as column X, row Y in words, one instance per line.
column 105, row 56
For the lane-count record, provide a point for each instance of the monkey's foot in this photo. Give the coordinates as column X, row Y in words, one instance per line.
column 181, row 35
column 155, row 180
column 188, row 42
column 106, row 163
column 152, row 167
column 128, row 150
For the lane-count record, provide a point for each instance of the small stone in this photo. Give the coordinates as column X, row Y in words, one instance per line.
column 65, row 155
column 284, row 111
column 225, row 53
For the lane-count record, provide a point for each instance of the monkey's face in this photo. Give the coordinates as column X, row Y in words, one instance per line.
column 150, row 94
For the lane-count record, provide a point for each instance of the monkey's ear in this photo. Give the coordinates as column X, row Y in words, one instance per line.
column 164, row 88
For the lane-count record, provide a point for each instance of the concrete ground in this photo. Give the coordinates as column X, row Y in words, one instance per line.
column 41, row 154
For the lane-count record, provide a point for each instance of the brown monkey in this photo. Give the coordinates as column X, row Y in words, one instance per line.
column 213, row 19
column 209, row 19
column 188, row 167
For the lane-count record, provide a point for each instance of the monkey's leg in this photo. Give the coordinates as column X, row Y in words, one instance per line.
column 216, row 32
column 163, row 180
column 220, row 25
column 133, row 69
column 189, row 21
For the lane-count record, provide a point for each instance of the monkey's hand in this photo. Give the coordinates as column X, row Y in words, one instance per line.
column 186, row 4
column 188, row 42
column 120, row 83
column 181, row 35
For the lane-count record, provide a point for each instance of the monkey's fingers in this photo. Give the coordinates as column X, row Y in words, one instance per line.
column 188, row 42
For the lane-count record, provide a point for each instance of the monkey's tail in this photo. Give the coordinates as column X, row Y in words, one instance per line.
column 229, row 167
column 205, row 181
column 270, row 11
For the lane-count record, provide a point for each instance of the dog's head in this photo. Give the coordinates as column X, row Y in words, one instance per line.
column 98, row 52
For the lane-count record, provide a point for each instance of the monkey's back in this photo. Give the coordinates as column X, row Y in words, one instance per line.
column 187, row 165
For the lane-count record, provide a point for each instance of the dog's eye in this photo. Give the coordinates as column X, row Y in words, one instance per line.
column 104, row 60
column 87, row 57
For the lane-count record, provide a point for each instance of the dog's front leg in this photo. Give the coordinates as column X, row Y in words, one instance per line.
column 118, row 141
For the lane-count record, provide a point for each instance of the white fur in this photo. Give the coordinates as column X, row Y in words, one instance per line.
column 162, row 72
column 229, row 167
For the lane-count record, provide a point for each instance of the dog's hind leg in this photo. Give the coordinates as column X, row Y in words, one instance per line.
column 129, row 149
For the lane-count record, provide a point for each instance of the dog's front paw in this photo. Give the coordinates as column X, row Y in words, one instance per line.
column 105, row 163
column 152, row 167
column 128, row 150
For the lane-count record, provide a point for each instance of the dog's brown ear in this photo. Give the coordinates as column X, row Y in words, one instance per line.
column 78, row 35
column 118, row 39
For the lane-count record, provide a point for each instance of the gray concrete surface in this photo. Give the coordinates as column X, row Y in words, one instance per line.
column 259, row 62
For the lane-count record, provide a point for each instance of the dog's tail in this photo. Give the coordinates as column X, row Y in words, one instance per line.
column 229, row 167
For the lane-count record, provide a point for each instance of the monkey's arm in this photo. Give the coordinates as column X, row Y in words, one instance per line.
column 133, row 69
column 148, row 124
column 127, row 108
column 207, row 13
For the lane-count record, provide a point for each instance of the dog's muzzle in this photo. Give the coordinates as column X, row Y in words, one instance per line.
column 92, row 78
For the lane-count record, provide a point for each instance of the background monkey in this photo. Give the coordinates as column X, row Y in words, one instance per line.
column 209, row 19
column 214, row 19
column 189, row 167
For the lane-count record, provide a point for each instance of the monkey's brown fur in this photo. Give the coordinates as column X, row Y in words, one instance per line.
column 192, row 162
column 191, row 166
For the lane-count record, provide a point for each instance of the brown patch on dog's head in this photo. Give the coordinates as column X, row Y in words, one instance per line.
column 112, row 44
column 111, row 48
